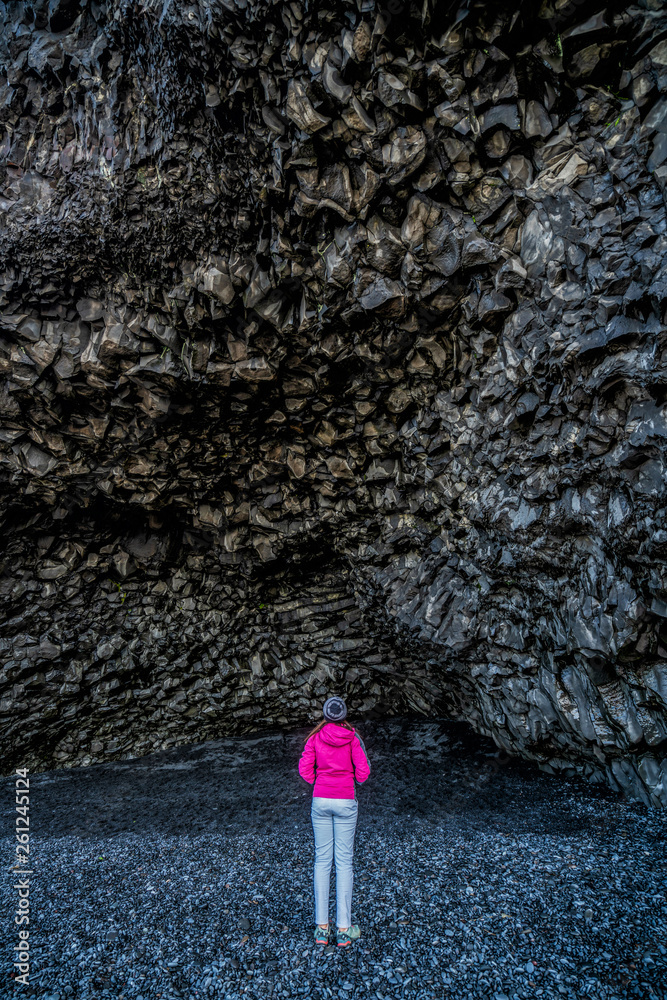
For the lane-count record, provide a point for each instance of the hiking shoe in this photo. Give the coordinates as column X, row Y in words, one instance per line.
column 345, row 938
column 321, row 936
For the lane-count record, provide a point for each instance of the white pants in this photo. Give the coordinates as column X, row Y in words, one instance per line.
column 334, row 823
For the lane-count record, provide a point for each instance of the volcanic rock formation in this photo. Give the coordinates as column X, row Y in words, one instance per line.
column 334, row 355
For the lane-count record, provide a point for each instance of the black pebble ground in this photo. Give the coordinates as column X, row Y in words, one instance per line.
column 188, row 874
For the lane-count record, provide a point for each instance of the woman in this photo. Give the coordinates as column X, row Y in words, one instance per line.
column 334, row 755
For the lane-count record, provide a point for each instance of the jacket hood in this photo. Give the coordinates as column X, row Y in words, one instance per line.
column 335, row 735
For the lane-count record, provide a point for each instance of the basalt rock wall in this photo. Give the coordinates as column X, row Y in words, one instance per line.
column 334, row 358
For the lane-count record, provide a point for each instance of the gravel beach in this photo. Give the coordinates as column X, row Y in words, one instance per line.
column 188, row 874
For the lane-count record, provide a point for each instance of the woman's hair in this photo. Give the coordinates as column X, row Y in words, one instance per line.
column 322, row 723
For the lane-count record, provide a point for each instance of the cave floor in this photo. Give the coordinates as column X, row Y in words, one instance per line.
column 188, row 874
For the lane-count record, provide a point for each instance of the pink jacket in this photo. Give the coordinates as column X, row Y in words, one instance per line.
column 332, row 759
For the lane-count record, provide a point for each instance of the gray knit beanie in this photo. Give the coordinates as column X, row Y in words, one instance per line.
column 334, row 709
